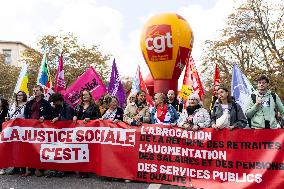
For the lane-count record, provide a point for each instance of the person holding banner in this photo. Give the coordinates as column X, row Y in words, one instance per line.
column 113, row 113
column 17, row 111
column 194, row 116
column 136, row 111
column 37, row 108
column 86, row 109
column 18, row 108
column 61, row 110
column 262, row 104
column 163, row 113
column 226, row 112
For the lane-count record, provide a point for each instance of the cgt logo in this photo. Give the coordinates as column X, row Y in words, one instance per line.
column 158, row 42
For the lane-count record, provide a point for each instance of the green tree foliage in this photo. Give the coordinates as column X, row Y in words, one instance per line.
column 253, row 39
column 8, row 78
column 77, row 58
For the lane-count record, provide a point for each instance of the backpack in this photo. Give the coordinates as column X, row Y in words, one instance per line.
column 253, row 97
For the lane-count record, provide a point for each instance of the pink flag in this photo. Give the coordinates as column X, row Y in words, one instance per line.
column 60, row 82
column 89, row 80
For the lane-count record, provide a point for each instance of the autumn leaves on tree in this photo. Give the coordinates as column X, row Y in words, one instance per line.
column 253, row 39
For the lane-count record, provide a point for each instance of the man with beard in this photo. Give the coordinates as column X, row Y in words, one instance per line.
column 37, row 108
column 172, row 100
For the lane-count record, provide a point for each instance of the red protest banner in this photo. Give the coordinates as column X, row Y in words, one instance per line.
column 152, row 153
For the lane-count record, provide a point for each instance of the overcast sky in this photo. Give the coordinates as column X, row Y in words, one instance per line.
column 115, row 25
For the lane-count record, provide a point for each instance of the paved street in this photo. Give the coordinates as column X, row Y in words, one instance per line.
column 72, row 182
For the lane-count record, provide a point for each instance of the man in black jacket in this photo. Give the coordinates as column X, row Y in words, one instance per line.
column 60, row 110
column 37, row 108
column 172, row 100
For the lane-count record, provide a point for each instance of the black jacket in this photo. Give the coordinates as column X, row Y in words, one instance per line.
column 3, row 114
column 237, row 117
column 45, row 109
column 119, row 114
column 64, row 112
column 178, row 106
column 91, row 112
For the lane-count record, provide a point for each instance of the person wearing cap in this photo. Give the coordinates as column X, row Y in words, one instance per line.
column 194, row 117
column 163, row 113
column 227, row 113
column 261, row 106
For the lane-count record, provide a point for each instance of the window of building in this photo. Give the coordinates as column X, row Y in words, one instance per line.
column 8, row 55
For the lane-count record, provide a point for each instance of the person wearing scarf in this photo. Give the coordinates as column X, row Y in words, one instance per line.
column 136, row 111
column 194, row 116
column 163, row 113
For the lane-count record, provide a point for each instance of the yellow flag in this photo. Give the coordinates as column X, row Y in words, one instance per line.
column 185, row 92
column 22, row 83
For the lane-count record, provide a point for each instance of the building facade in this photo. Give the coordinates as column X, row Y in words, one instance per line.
column 12, row 51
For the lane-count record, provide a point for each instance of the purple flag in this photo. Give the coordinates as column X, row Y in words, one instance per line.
column 115, row 87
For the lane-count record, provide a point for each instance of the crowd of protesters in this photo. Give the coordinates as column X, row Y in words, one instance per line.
column 265, row 111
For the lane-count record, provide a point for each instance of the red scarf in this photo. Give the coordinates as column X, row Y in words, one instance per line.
column 161, row 112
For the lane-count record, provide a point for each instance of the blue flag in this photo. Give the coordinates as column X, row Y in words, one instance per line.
column 115, row 87
column 241, row 88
